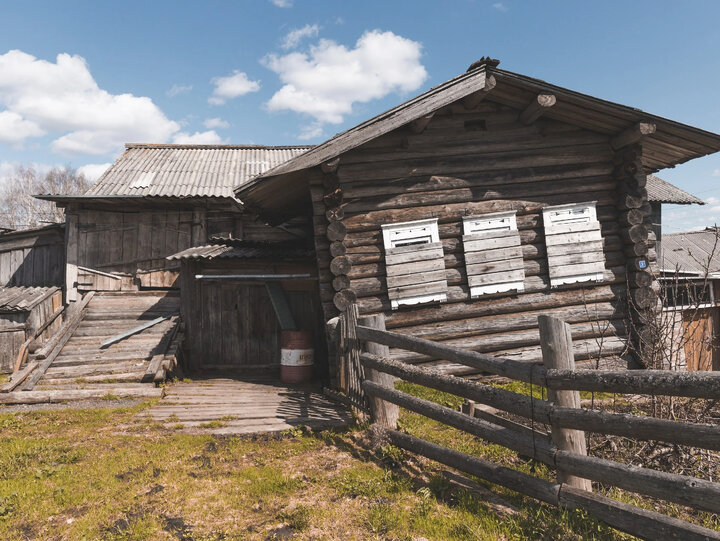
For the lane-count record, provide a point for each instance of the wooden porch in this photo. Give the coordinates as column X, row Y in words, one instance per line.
column 232, row 406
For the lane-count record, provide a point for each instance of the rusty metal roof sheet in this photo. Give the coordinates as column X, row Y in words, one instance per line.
column 660, row 191
column 23, row 299
column 148, row 170
column 246, row 250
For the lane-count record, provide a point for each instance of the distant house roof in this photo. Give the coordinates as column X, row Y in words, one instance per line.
column 660, row 191
column 23, row 299
column 275, row 187
column 691, row 253
column 245, row 250
column 182, row 171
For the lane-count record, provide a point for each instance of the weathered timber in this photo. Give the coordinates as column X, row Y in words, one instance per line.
column 639, row 522
column 473, row 100
column 384, row 413
column 341, row 282
column 336, row 231
column 337, row 248
column 556, row 344
column 334, row 214
column 499, row 475
column 18, row 377
column 126, row 334
column 537, row 107
column 344, row 298
column 418, row 125
column 632, row 135
column 340, row 265
column 330, row 166
column 334, row 198
column 67, row 395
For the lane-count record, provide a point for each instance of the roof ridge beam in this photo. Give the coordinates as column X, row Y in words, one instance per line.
column 473, row 100
column 632, row 135
column 537, row 108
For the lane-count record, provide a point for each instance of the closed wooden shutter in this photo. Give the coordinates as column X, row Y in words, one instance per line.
column 574, row 244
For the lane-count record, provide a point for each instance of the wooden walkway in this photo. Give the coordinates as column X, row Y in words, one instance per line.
column 228, row 406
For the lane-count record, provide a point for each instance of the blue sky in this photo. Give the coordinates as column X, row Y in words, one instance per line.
column 288, row 71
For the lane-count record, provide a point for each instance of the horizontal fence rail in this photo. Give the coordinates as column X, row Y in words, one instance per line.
column 565, row 450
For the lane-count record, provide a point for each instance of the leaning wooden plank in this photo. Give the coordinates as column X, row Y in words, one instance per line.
column 19, row 376
column 41, row 397
column 135, row 330
column 68, row 330
column 22, row 354
column 157, row 360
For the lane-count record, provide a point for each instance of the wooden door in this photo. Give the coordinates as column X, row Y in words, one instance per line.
column 239, row 330
column 698, row 337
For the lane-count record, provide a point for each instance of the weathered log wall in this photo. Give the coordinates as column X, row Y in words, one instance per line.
column 467, row 163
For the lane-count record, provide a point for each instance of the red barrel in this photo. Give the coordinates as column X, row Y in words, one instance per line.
column 296, row 356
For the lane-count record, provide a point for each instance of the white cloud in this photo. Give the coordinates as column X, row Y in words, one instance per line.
column 311, row 131
column 716, row 173
column 62, row 97
column 198, row 138
column 177, row 89
column 92, row 171
column 293, row 38
column 15, row 129
column 282, row 3
column 232, row 86
column 500, row 6
column 216, row 122
column 325, row 83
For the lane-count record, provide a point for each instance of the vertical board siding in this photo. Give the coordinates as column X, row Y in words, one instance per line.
column 473, row 163
column 32, row 258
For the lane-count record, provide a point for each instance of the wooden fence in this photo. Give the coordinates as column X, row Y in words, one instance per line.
column 564, row 451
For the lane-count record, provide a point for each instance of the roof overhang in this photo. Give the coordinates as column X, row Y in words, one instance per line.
column 142, row 201
column 670, row 144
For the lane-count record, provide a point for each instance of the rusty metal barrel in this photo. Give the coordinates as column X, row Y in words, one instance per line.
column 297, row 356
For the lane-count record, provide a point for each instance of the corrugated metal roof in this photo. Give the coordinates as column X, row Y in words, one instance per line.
column 147, row 170
column 245, row 250
column 671, row 144
column 23, row 299
column 693, row 252
column 661, row 191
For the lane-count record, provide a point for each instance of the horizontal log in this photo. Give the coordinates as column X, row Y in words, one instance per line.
column 541, row 411
column 336, row 231
column 40, row 397
column 537, row 107
column 340, row 265
column 639, row 522
column 632, row 135
column 492, row 473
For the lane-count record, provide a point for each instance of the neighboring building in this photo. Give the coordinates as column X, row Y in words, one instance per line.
column 690, row 280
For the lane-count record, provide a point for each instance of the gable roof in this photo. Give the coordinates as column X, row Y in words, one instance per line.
column 660, row 191
column 671, row 144
column 182, row 171
column 693, row 252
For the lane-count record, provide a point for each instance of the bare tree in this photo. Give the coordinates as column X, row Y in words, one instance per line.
column 18, row 207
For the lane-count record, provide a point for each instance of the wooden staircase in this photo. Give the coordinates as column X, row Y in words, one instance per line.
column 77, row 364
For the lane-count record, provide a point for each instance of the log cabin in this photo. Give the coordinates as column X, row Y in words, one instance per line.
column 466, row 212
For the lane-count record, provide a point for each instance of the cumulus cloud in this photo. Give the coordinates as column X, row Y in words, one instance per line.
column 216, row 123
column 326, row 82
column 92, row 171
column 282, row 3
column 176, row 90
column 42, row 97
column 293, row 38
column 15, row 129
column 500, row 6
column 232, row 86
column 209, row 137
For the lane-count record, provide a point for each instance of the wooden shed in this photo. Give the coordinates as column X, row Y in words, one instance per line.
column 155, row 201
column 466, row 212
column 33, row 257
column 236, row 297
column 26, row 313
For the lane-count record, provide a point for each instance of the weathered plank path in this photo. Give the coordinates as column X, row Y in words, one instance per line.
column 82, row 360
column 230, row 406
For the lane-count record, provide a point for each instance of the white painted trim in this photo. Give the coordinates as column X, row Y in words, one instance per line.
column 478, row 291
column 402, row 233
column 591, row 277
column 495, row 221
column 422, row 299
column 570, row 214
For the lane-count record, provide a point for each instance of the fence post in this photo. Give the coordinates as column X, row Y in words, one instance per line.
column 384, row 413
column 557, row 352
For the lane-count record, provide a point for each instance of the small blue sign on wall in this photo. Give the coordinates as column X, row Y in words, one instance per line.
column 642, row 264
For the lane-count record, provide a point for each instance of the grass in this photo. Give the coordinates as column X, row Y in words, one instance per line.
column 107, row 474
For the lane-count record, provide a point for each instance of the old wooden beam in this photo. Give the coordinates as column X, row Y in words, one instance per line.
column 632, row 135
column 384, row 413
column 331, row 166
column 473, row 100
column 419, row 124
column 557, row 350
column 537, row 107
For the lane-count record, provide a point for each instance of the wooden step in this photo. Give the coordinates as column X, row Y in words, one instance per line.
column 91, row 369
column 82, row 360
column 67, row 395
column 128, row 376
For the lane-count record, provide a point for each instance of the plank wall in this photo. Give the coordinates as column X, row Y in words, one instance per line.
column 467, row 163
column 32, row 259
